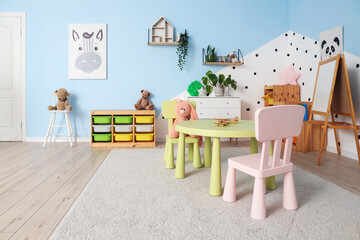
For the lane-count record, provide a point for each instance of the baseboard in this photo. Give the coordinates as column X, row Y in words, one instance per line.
column 59, row 139
column 344, row 153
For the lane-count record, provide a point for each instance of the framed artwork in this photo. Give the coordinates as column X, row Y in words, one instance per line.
column 331, row 43
column 87, row 51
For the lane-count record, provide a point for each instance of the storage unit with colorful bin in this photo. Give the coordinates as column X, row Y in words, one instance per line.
column 123, row 128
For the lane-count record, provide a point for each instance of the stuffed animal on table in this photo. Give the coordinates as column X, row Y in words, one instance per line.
column 183, row 110
column 63, row 101
column 144, row 102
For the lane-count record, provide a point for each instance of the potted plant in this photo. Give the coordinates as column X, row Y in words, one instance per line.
column 210, row 54
column 217, row 83
column 182, row 49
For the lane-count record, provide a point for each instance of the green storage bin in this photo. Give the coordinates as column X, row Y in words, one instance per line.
column 123, row 119
column 102, row 119
column 102, row 137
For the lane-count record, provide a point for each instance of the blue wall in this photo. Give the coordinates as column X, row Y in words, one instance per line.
column 310, row 17
column 132, row 65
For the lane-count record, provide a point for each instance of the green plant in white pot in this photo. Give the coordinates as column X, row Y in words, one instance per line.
column 217, row 83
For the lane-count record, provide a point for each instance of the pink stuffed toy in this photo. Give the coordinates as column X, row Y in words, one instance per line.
column 183, row 110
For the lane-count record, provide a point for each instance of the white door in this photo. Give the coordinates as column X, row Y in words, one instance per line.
column 10, row 78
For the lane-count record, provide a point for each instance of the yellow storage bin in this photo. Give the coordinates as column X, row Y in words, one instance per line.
column 144, row 119
column 144, row 137
column 123, row 137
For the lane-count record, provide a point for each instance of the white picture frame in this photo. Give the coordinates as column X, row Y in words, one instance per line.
column 87, row 51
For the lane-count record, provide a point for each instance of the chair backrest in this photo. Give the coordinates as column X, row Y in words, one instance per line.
column 168, row 111
column 276, row 123
column 54, row 97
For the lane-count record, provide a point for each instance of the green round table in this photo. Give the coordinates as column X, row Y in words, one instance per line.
column 207, row 128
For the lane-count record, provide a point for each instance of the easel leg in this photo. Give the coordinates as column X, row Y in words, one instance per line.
column 307, row 132
column 322, row 143
column 336, row 136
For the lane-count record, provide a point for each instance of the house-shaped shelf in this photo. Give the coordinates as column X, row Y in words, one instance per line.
column 162, row 33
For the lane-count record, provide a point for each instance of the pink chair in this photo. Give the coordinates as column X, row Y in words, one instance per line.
column 271, row 123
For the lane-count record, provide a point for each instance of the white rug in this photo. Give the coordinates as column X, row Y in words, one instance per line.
column 133, row 196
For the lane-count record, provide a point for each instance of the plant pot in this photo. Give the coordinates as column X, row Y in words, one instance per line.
column 210, row 58
column 219, row 91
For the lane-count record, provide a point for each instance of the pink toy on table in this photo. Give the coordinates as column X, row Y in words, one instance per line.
column 183, row 110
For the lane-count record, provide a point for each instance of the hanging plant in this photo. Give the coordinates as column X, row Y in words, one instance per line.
column 182, row 49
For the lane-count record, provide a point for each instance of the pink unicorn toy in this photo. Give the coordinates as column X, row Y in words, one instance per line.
column 183, row 110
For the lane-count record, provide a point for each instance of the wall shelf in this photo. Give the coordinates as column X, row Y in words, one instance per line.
column 163, row 43
column 226, row 63
column 223, row 63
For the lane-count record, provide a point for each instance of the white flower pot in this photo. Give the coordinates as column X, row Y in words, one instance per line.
column 219, row 91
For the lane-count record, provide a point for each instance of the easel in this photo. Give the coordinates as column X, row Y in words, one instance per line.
column 332, row 99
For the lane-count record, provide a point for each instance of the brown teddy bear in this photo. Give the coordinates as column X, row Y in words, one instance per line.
column 144, row 102
column 63, row 101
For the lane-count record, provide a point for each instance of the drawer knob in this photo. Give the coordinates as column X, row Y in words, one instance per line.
column 200, row 113
column 200, row 102
column 227, row 102
column 227, row 113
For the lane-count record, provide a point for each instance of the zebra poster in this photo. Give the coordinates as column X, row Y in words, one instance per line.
column 87, row 51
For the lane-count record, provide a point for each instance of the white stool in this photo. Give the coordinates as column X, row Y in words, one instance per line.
column 52, row 125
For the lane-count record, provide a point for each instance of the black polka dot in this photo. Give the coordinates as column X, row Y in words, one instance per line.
column 254, row 73
column 285, row 34
column 265, row 85
column 293, row 34
column 315, row 56
column 309, row 99
column 246, row 87
column 310, row 69
column 357, row 65
column 248, row 109
column 275, row 49
column 233, row 67
column 290, row 44
column 299, row 68
column 258, row 102
column 315, row 42
column 303, row 38
column 293, row 64
column 288, row 55
column 274, row 70
column 339, row 144
column 306, row 51
column 303, row 84
column 256, row 55
column 297, row 48
column 336, row 116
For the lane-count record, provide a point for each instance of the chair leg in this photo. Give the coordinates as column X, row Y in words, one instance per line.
column 165, row 151
column 48, row 131
column 190, row 152
column 197, row 158
column 52, row 127
column 289, row 194
column 229, row 194
column 258, row 209
column 170, row 157
column 68, row 128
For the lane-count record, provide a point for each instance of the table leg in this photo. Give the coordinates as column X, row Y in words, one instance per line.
column 270, row 181
column 253, row 146
column 207, row 152
column 215, row 178
column 180, row 159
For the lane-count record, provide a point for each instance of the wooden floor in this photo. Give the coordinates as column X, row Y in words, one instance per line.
column 38, row 186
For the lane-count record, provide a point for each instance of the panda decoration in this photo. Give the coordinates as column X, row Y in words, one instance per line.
column 331, row 43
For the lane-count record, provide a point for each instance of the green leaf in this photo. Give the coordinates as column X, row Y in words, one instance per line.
column 213, row 79
column 221, row 78
column 208, row 73
column 233, row 85
column 208, row 89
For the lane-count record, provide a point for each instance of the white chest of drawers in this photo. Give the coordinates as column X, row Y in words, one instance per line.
column 217, row 107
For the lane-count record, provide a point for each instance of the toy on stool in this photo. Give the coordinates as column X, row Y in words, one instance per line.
column 183, row 110
column 233, row 57
column 224, row 122
column 63, row 101
column 144, row 102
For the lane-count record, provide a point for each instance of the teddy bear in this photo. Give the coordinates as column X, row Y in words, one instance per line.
column 183, row 110
column 63, row 101
column 144, row 102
